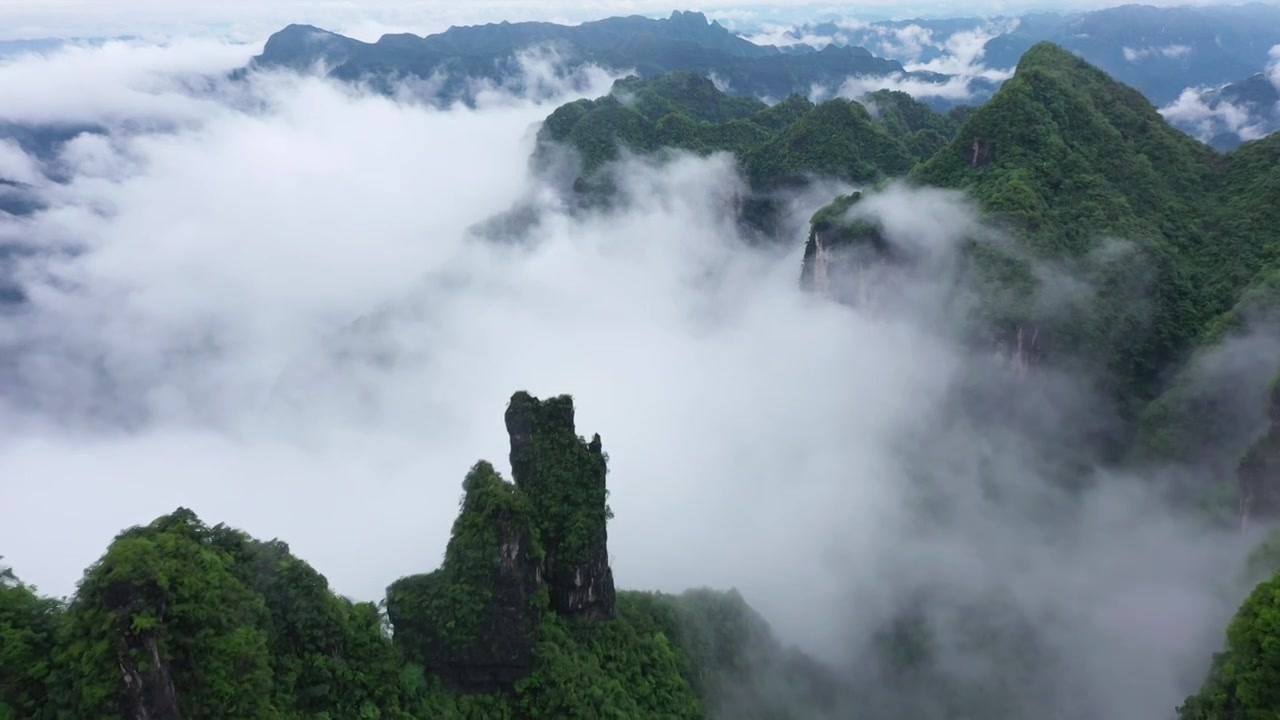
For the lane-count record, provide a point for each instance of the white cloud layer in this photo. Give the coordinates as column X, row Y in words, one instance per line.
column 1168, row 51
column 957, row 55
column 1200, row 112
column 117, row 81
column 272, row 312
column 1273, row 67
column 1204, row 119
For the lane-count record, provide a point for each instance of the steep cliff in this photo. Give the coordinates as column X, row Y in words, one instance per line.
column 475, row 621
column 1080, row 180
column 182, row 620
column 844, row 256
column 1070, row 161
column 1259, row 471
column 564, row 479
column 516, row 552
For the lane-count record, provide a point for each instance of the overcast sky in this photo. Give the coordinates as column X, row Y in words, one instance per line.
column 252, row 20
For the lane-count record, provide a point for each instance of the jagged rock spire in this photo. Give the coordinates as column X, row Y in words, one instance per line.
column 563, row 477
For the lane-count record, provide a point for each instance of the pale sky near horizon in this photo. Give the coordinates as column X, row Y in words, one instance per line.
column 252, row 20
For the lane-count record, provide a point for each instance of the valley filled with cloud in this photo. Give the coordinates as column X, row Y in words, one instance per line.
column 952, row 357
column 264, row 299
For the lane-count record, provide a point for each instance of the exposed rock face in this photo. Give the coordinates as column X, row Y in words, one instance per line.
column 980, row 152
column 148, row 691
column 1259, row 474
column 149, row 694
column 564, row 479
column 474, row 622
column 1022, row 345
column 516, row 551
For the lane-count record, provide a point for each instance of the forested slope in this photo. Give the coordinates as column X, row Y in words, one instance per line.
column 778, row 148
column 1077, row 176
column 180, row 619
column 1084, row 176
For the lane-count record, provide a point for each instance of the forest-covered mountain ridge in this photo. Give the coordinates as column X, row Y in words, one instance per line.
column 1069, row 162
column 1171, row 54
column 1075, row 171
column 1064, row 158
column 1069, row 158
column 462, row 56
column 180, row 619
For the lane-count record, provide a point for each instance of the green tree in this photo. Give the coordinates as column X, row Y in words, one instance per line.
column 29, row 680
column 1244, row 681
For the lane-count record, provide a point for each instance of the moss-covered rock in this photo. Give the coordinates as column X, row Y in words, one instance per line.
column 474, row 622
column 563, row 477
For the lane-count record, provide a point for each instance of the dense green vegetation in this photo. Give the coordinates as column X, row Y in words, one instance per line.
column 1175, row 241
column 1077, row 174
column 1244, row 681
column 29, row 627
column 778, row 147
column 522, row 619
column 180, row 619
column 1070, row 159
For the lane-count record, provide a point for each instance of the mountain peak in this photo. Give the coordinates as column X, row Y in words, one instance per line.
column 563, row 478
column 1049, row 55
column 298, row 45
column 688, row 17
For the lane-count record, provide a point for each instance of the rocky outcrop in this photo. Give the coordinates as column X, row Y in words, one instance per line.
column 564, row 479
column 149, row 692
column 842, row 254
column 516, row 551
column 474, row 622
column 979, row 152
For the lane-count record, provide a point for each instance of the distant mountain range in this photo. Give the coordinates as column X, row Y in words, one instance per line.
column 1201, row 64
column 1217, row 52
column 453, row 64
column 1214, row 71
column 1160, row 51
column 1231, row 114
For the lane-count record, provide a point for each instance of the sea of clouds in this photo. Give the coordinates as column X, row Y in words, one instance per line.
column 263, row 300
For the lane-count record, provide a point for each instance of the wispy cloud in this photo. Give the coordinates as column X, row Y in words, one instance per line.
column 1206, row 119
column 1167, row 51
column 958, row 56
column 117, row 81
column 1246, row 114
column 1273, row 67
column 266, row 304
